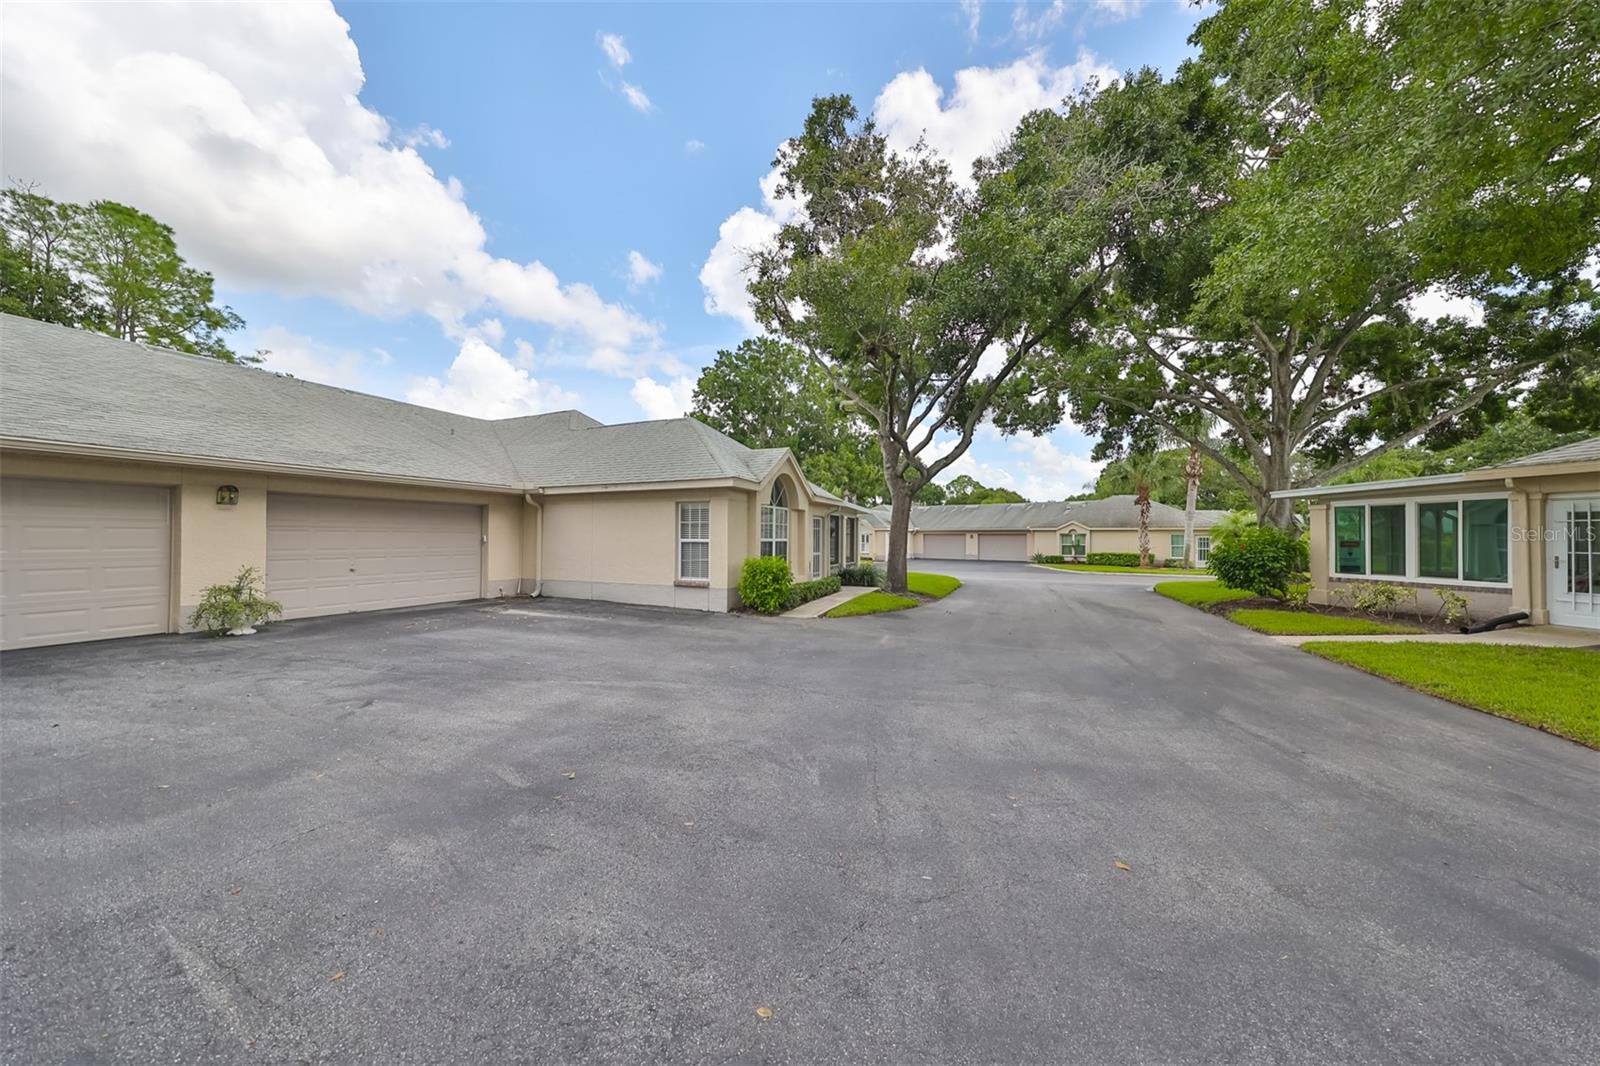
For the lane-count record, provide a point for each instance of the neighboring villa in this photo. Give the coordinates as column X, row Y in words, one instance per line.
column 136, row 477
column 1521, row 536
column 1018, row 531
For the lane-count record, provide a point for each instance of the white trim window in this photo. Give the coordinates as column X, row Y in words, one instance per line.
column 775, row 523
column 816, row 547
column 1175, row 546
column 1462, row 540
column 694, row 542
column 1074, row 544
column 1202, row 548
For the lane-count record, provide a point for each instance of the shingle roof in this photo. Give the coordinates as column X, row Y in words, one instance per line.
column 71, row 387
column 1112, row 512
column 1576, row 452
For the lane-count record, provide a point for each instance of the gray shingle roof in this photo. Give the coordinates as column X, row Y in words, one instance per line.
column 1112, row 512
column 71, row 387
column 1576, row 452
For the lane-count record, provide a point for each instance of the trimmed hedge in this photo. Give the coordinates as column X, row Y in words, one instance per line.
column 861, row 574
column 1112, row 559
column 1040, row 558
column 765, row 584
column 806, row 591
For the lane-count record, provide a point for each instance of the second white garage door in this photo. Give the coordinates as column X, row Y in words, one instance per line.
column 944, row 545
column 332, row 555
column 1012, row 547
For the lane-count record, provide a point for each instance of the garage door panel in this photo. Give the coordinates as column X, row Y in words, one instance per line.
column 944, row 545
column 82, row 561
column 1010, row 547
column 330, row 555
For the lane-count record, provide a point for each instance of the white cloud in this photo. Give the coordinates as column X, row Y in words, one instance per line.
column 617, row 53
column 693, row 146
column 663, row 401
column 483, row 383
column 1048, row 473
column 985, row 107
column 1118, row 10
column 293, row 353
column 1435, row 303
column 641, row 271
column 424, row 135
column 972, row 10
column 1030, row 20
column 637, row 99
column 241, row 126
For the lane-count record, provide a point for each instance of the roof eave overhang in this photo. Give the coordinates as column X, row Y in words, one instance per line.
column 647, row 486
column 1363, row 488
column 1513, row 473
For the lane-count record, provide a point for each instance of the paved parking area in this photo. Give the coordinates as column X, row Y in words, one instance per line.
column 575, row 832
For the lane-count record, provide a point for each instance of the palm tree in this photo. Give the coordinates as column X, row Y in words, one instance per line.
column 1143, row 472
column 1193, row 469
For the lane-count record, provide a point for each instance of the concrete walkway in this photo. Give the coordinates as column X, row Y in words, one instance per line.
column 819, row 607
column 1528, row 636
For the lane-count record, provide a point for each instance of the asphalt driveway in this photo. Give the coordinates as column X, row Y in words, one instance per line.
column 580, row 832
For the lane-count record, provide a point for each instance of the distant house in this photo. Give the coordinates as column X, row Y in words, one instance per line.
column 134, row 478
column 1521, row 536
column 1018, row 531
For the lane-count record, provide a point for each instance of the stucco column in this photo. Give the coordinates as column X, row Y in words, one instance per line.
column 1527, row 548
column 1318, row 525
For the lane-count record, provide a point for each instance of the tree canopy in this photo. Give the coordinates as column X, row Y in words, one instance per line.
column 1328, row 162
column 765, row 393
column 110, row 268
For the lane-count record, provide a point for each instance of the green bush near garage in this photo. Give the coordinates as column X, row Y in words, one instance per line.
column 1112, row 558
column 806, row 591
column 765, row 584
column 862, row 574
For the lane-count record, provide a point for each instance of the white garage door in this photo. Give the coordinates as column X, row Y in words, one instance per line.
column 332, row 555
column 1012, row 547
column 82, row 561
column 944, row 545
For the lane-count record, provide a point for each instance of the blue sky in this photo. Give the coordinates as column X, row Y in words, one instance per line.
column 504, row 208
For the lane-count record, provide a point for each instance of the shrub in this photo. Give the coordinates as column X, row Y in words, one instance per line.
column 1374, row 597
column 764, row 584
column 1453, row 608
column 861, row 574
column 1112, row 559
column 1231, row 526
column 1259, row 560
column 1298, row 596
column 1039, row 557
column 236, row 606
column 806, row 591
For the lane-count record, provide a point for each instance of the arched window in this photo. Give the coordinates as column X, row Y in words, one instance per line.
column 775, row 522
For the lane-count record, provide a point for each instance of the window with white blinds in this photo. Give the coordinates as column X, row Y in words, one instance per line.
column 694, row 542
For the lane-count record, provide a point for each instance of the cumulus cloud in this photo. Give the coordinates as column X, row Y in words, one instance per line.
column 663, row 401
column 641, row 271
column 241, row 125
column 485, row 384
column 425, row 136
column 287, row 352
column 1047, row 472
column 984, row 107
column 982, row 110
column 1118, row 10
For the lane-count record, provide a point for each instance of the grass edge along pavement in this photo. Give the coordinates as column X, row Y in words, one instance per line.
column 1277, row 622
column 1550, row 689
column 922, row 586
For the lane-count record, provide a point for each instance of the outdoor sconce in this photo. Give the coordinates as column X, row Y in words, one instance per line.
column 227, row 495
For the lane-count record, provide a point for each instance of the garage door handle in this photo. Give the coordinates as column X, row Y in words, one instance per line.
column 352, row 569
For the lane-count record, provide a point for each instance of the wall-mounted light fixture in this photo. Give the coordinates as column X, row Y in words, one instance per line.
column 227, row 495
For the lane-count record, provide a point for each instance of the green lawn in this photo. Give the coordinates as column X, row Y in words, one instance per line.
column 1098, row 569
column 1553, row 689
column 1201, row 593
column 1306, row 623
column 871, row 603
column 933, row 586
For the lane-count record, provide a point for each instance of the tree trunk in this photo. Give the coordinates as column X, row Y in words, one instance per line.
column 899, row 530
column 1192, row 470
column 1144, row 526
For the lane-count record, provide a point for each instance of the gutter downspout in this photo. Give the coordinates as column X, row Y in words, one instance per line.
column 538, row 550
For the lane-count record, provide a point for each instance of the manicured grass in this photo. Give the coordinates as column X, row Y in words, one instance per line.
column 871, row 603
column 1307, row 623
column 933, row 586
column 1552, row 689
column 1098, row 569
column 1201, row 593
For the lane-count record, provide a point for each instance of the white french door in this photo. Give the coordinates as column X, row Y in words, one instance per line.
column 1572, row 561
